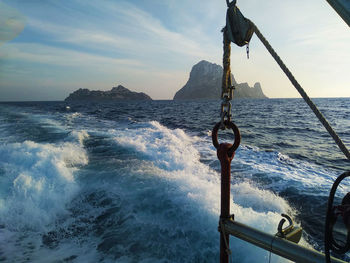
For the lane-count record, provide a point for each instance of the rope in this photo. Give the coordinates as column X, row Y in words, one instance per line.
column 226, row 85
column 301, row 91
column 271, row 247
column 226, row 76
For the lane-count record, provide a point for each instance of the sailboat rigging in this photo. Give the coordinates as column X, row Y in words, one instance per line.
column 239, row 30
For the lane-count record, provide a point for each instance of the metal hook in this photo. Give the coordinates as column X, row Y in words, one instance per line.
column 291, row 232
column 291, row 224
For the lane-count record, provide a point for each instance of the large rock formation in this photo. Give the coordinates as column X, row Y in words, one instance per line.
column 205, row 83
column 115, row 94
column 244, row 91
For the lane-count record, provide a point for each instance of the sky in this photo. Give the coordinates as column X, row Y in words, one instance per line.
column 49, row 48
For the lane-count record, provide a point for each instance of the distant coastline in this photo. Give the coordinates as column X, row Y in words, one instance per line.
column 57, row 101
column 118, row 93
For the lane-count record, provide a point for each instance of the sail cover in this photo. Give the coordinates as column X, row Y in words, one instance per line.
column 343, row 9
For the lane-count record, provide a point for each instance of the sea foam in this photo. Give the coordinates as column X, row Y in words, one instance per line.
column 37, row 181
column 174, row 158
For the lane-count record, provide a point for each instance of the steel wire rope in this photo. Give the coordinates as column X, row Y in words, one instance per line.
column 302, row 92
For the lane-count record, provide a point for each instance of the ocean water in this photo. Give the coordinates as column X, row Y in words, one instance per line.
column 140, row 181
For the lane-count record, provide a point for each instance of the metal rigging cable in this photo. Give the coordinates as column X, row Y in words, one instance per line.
column 239, row 30
column 302, row 92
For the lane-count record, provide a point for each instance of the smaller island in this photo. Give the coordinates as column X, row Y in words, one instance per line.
column 119, row 93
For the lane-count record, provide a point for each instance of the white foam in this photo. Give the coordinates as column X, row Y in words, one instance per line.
column 73, row 115
column 303, row 175
column 247, row 195
column 38, row 181
column 45, row 120
column 41, row 179
column 169, row 149
column 175, row 158
column 80, row 135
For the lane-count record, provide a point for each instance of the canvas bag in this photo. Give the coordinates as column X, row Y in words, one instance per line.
column 239, row 30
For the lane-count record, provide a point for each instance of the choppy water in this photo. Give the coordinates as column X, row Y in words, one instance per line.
column 139, row 182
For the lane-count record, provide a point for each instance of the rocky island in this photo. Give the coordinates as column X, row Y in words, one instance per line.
column 205, row 83
column 115, row 94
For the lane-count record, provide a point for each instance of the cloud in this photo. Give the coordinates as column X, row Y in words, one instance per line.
column 128, row 30
column 38, row 53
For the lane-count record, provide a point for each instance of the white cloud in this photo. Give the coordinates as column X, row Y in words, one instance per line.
column 38, row 53
column 129, row 31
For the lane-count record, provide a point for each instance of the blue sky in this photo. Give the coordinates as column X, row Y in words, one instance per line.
column 49, row 48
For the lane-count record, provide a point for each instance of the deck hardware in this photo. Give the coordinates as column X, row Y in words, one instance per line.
column 333, row 212
column 291, row 232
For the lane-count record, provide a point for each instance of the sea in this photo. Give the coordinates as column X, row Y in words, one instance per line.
column 140, row 181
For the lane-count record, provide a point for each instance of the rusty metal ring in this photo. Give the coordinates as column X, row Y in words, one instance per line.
column 231, row 125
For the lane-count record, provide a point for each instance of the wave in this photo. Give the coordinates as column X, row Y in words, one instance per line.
column 278, row 171
column 171, row 156
column 145, row 194
column 37, row 181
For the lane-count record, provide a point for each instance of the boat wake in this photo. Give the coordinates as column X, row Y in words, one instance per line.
column 131, row 191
